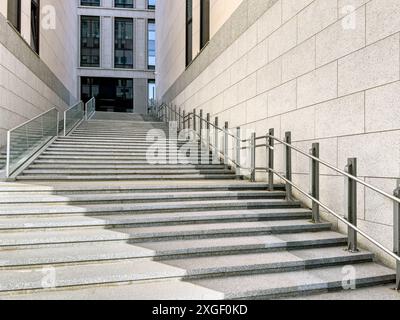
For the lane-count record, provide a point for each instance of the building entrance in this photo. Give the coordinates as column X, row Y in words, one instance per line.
column 112, row 94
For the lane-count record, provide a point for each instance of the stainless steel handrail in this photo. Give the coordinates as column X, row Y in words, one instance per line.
column 27, row 155
column 66, row 129
column 365, row 235
column 189, row 117
column 351, row 222
column 344, row 173
column 90, row 113
column 31, row 120
column 316, row 201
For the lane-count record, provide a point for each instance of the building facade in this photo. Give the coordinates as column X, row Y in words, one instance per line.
column 116, row 59
column 37, row 59
column 327, row 71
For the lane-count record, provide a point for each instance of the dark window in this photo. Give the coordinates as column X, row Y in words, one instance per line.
column 123, row 3
column 151, row 44
column 204, row 22
column 123, row 43
column 151, row 4
column 90, row 3
column 35, row 25
column 189, row 31
column 90, row 41
column 112, row 94
column 14, row 13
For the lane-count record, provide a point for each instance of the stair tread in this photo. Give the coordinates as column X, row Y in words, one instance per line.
column 158, row 186
column 86, row 252
column 89, row 235
column 105, row 220
column 144, row 269
column 279, row 283
column 221, row 204
column 273, row 285
column 4, row 199
column 127, row 177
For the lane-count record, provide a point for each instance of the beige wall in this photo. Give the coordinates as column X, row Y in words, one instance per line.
column 221, row 10
column 59, row 46
column 170, row 17
column 328, row 71
column 31, row 84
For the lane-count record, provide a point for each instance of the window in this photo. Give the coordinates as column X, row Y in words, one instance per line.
column 151, row 4
column 35, row 25
column 123, row 4
column 90, row 41
column 189, row 31
column 14, row 13
column 90, row 3
column 152, row 93
column 112, row 94
column 204, row 22
column 151, row 44
column 123, row 43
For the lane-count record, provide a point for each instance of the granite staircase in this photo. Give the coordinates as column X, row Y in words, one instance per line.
column 91, row 219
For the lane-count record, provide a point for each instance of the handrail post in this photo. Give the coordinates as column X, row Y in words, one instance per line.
column 180, row 119
column 288, row 140
column 201, row 125
column 216, row 137
column 315, row 183
column 194, row 120
column 175, row 114
column 208, row 130
column 226, row 143
column 184, row 120
column 352, row 204
column 238, row 150
column 396, row 232
column 253, row 142
column 271, row 158
column 8, row 160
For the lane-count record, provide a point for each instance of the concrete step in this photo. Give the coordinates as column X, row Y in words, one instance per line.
column 119, row 139
column 140, row 197
column 15, row 189
column 122, row 145
column 296, row 283
column 26, row 239
column 81, row 221
column 268, row 286
column 117, row 171
column 202, row 267
column 24, row 210
column 53, row 177
column 109, row 251
column 120, row 157
column 89, row 161
column 84, row 165
column 155, row 153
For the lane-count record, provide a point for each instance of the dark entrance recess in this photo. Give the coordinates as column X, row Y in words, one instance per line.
column 112, row 94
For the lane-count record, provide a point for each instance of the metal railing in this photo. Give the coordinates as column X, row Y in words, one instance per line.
column 73, row 116
column 198, row 124
column 28, row 138
column 190, row 121
column 90, row 108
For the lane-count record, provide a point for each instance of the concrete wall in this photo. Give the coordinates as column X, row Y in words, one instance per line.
column 31, row 84
column 328, row 71
column 139, row 73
